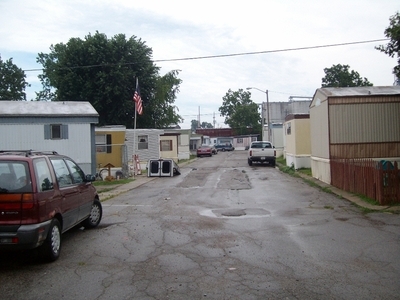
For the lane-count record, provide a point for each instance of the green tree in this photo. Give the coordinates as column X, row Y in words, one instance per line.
column 393, row 47
column 194, row 124
column 206, row 125
column 240, row 111
column 12, row 81
column 340, row 76
column 103, row 71
column 161, row 111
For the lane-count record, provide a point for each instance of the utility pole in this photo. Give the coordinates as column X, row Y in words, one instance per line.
column 214, row 120
column 269, row 129
column 198, row 119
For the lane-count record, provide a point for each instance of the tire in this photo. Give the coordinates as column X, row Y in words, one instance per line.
column 51, row 248
column 249, row 162
column 103, row 174
column 95, row 215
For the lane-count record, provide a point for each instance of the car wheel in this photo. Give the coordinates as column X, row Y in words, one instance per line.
column 95, row 215
column 249, row 162
column 51, row 248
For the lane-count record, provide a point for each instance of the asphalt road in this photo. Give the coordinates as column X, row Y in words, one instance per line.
column 220, row 230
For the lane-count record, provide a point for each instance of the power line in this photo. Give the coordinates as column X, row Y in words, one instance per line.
column 223, row 55
column 272, row 51
column 197, row 115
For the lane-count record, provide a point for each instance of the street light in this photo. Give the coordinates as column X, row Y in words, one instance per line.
column 262, row 115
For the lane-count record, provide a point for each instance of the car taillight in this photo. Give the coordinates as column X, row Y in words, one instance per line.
column 251, row 152
column 10, row 202
column 27, row 201
column 16, row 201
column 274, row 152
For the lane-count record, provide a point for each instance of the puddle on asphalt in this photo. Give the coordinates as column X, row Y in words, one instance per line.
column 236, row 213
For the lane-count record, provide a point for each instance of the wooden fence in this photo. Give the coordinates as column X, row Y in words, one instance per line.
column 376, row 180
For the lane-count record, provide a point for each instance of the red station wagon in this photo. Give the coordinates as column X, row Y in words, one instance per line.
column 42, row 195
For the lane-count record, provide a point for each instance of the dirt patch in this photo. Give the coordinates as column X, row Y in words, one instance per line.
column 234, row 180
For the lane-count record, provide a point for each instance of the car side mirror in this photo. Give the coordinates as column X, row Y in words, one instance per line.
column 90, row 178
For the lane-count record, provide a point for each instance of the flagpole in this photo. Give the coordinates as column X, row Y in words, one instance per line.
column 134, row 137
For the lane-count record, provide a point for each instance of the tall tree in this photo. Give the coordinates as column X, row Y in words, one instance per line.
column 340, row 76
column 162, row 112
column 393, row 47
column 194, row 124
column 103, row 71
column 12, row 81
column 206, row 125
column 240, row 111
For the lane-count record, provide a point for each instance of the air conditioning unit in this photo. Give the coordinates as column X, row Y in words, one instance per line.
column 162, row 168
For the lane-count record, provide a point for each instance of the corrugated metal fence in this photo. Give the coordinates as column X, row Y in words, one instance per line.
column 376, row 180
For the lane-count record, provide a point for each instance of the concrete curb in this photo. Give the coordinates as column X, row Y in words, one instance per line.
column 350, row 197
column 139, row 180
column 123, row 188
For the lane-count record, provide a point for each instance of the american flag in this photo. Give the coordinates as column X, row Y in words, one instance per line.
column 137, row 99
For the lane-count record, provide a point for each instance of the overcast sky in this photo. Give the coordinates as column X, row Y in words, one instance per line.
column 178, row 29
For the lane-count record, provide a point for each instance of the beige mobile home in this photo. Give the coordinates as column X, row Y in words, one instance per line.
column 298, row 140
column 353, row 123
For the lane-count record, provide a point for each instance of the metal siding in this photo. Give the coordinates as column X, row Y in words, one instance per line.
column 79, row 145
column 153, row 151
column 290, row 138
column 154, row 147
column 302, row 134
column 366, row 150
column 93, row 149
column 21, row 137
column 364, row 123
column 319, row 130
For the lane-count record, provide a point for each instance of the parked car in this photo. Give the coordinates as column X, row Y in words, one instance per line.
column 261, row 151
column 204, row 150
column 213, row 149
column 224, row 147
column 42, row 195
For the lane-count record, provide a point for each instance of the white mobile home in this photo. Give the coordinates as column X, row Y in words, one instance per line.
column 145, row 143
column 66, row 127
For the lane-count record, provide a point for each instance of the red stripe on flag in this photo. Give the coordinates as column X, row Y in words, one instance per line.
column 138, row 99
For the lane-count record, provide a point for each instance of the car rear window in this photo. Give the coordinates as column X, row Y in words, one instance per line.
column 15, row 177
column 261, row 145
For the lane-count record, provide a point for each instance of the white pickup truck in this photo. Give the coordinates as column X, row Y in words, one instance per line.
column 261, row 151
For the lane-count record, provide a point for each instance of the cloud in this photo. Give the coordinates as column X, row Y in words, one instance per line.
column 187, row 29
